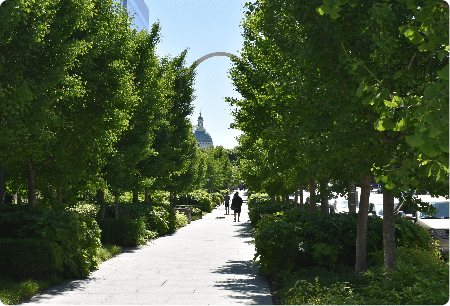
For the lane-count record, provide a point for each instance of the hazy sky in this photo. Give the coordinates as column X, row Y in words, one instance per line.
column 204, row 27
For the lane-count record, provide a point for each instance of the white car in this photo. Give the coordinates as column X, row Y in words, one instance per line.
column 437, row 224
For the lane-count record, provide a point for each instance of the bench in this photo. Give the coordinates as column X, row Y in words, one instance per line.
column 186, row 209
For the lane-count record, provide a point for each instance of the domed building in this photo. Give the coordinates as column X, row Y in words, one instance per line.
column 204, row 140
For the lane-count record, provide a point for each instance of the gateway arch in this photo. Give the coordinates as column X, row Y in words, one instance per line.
column 204, row 58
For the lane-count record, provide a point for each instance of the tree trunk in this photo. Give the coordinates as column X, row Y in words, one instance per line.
column 59, row 195
column 312, row 194
column 300, row 187
column 116, row 206
column 352, row 198
column 272, row 199
column 1, row 189
column 31, row 191
column 390, row 251
column 101, row 201
column 296, row 199
column 323, row 198
column 146, row 195
column 361, row 234
column 278, row 200
column 135, row 197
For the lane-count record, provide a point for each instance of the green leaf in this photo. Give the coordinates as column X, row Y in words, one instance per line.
column 410, row 4
column 430, row 150
column 367, row 100
column 404, row 188
column 414, row 140
column 414, row 36
column 397, row 75
column 335, row 12
column 434, row 132
column 430, row 92
column 424, row 14
column 415, row 182
column 443, row 74
column 385, row 124
column 443, row 144
column 400, row 126
column 320, row 10
column 428, row 46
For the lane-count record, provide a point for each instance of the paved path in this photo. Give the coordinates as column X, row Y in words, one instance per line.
column 208, row 262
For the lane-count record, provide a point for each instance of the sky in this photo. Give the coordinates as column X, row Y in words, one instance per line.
column 204, row 27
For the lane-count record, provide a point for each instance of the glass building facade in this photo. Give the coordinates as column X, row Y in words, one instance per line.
column 138, row 10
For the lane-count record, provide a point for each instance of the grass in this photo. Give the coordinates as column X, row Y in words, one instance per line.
column 13, row 292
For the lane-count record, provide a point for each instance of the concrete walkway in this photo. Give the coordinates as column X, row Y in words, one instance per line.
column 208, row 262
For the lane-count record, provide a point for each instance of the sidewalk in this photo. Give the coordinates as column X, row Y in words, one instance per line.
column 208, row 262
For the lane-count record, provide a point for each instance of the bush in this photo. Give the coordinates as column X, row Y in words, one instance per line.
column 30, row 258
column 201, row 197
column 292, row 239
column 260, row 206
column 181, row 220
column 420, row 278
column 158, row 218
column 124, row 231
column 256, row 199
column 78, row 235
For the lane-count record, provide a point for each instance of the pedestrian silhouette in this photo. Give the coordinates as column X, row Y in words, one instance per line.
column 236, row 205
column 226, row 200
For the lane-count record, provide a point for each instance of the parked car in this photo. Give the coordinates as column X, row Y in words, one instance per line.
column 436, row 224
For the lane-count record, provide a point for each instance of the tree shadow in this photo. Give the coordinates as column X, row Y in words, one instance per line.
column 245, row 282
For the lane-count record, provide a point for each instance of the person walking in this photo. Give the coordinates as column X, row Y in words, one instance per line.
column 236, row 205
column 226, row 200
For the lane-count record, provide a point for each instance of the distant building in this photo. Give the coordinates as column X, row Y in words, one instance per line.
column 138, row 10
column 204, row 140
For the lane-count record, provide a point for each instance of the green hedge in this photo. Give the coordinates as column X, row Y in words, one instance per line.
column 124, row 232
column 78, row 235
column 30, row 258
column 292, row 240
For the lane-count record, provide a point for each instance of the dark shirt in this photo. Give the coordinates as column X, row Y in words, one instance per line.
column 226, row 199
column 237, row 201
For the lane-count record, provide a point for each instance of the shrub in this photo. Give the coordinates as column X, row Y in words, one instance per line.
column 261, row 208
column 293, row 239
column 78, row 235
column 257, row 198
column 124, row 231
column 30, row 258
column 217, row 198
column 158, row 218
column 420, row 278
column 201, row 197
column 181, row 220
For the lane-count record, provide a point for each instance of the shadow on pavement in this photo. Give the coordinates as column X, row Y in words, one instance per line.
column 245, row 282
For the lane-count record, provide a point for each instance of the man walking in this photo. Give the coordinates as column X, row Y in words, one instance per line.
column 236, row 205
column 226, row 200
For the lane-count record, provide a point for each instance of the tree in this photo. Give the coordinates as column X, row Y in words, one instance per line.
column 340, row 100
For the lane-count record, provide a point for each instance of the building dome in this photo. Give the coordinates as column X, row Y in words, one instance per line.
column 204, row 140
column 202, row 136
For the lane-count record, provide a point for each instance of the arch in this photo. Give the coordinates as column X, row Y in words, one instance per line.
column 204, row 58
